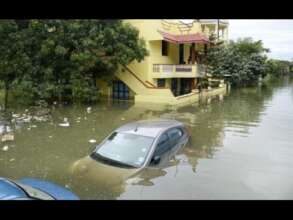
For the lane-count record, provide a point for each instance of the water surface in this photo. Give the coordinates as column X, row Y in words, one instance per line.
column 241, row 147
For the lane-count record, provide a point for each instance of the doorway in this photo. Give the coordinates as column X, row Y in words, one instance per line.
column 174, row 86
column 185, row 86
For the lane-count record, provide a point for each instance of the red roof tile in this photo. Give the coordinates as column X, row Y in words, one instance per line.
column 185, row 38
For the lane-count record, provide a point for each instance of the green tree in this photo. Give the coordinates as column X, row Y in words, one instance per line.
column 13, row 61
column 243, row 61
column 246, row 46
column 61, row 59
column 69, row 55
column 277, row 68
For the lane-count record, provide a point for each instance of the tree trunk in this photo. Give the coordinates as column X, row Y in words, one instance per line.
column 94, row 80
column 6, row 96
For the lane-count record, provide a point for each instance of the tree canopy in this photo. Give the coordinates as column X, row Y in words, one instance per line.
column 61, row 59
column 242, row 61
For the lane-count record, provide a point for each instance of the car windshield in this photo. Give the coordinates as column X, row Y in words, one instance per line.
column 126, row 149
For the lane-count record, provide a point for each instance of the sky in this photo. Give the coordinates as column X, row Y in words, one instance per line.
column 277, row 35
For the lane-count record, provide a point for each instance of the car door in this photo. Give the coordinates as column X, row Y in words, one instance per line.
column 170, row 142
column 162, row 146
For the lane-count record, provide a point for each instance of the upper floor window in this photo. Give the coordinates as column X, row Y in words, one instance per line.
column 164, row 48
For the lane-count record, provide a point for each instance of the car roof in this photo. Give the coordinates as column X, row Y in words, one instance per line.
column 150, row 128
column 8, row 190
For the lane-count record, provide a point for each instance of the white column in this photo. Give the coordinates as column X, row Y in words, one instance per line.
column 217, row 27
column 226, row 33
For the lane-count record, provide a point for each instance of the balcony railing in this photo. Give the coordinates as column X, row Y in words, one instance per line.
column 181, row 70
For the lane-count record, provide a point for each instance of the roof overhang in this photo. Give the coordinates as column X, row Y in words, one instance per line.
column 185, row 38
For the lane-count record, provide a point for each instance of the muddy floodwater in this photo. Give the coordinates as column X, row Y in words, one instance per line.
column 241, row 147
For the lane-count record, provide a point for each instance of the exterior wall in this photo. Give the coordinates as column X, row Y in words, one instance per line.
column 141, row 69
column 156, row 57
column 180, row 100
column 147, row 28
column 104, row 88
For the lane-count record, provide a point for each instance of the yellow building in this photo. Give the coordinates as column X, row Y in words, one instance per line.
column 176, row 61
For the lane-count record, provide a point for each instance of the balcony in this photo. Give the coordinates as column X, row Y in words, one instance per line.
column 222, row 22
column 178, row 71
column 178, row 27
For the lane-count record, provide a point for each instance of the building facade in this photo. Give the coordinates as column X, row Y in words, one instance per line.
column 175, row 65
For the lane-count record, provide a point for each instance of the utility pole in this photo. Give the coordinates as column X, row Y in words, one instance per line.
column 218, row 25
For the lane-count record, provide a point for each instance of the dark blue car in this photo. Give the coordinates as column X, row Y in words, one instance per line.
column 31, row 189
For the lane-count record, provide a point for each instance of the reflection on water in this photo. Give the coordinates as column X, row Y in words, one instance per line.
column 241, row 147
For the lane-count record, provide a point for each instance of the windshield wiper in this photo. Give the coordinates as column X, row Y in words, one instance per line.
column 107, row 160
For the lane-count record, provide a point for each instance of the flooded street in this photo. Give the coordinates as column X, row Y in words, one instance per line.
column 241, row 147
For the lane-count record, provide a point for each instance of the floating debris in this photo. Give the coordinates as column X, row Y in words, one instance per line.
column 92, row 141
column 65, row 123
column 29, row 128
column 11, row 160
column 122, row 119
column 50, row 136
column 67, row 186
column 34, row 126
column 40, row 118
column 15, row 115
column 88, row 109
column 27, row 120
column 5, row 148
column 7, row 137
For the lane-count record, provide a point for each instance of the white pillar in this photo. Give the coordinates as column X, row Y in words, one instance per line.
column 217, row 27
column 226, row 33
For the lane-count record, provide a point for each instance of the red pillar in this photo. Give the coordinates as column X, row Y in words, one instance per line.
column 193, row 53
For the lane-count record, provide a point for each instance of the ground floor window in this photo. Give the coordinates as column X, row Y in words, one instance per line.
column 120, row 90
column 161, row 83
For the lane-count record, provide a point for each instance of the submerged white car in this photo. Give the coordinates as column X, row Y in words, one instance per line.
column 131, row 149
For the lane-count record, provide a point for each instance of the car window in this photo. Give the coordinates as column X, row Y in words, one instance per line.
column 175, row 133
column 124, row 148
column 162, row 145
column 163, row 139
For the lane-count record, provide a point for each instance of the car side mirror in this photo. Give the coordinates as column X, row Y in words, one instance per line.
column 156, row 160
